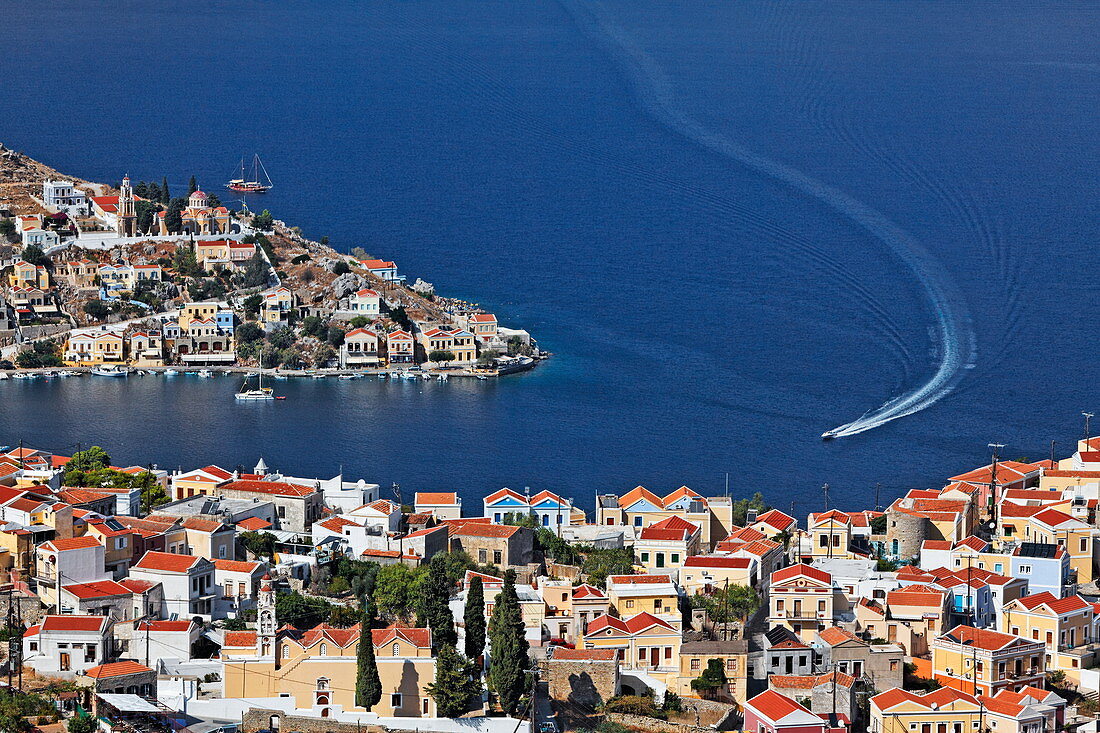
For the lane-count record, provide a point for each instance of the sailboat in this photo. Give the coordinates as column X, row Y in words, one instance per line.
column 261, row 392
column 255, row 184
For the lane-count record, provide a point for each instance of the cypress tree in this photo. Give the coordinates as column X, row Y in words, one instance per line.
column 475, row 618
column 164, row 196
column 192, row 186
column 436, row 591
column 368, row 688
column 455, row 683
column 507, row 672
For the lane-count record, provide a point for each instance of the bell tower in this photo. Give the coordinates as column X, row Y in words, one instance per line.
column 265, row 618
column 126, row 225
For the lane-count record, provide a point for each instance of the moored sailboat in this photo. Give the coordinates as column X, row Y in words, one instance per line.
column 257, row 184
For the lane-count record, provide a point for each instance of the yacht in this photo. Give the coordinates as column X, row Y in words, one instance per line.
column 260, row 392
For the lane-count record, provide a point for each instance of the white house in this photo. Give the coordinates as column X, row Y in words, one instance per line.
column 381, row 513
column 64, row 196
column 549, row 509
column 443, row 504
column 188, row 582
column 41, row 237
column 65, row 645
column 66, row 561
column 154, row 641
column 365, row 303
column 239, row 581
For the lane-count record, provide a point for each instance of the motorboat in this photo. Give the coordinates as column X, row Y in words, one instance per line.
column 170, row 372
column 830, row 434
column 3, row 376
column 205, row 373
column 109, row 371
column 443, row 377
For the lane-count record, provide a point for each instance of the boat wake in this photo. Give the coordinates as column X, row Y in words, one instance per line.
column 956, row 344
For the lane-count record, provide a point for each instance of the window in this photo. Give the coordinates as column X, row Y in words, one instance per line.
column 1084, row 544
column 324, row 649
column 779, row 605
column 286, row 651
column 34, row 646
column 731, row 664
column 637, row 521
column 90, row 653
column 483, row 555
column 396, row 650
column 424, row 704
column 1025, row 569
column 629, row 603
column 228, row 588
column 675, row 557
column 282, row 512
column 497, row 557
column 221, row 552
column 657, row 605
column 695, row 664
column 645, row 557
column 395, row 700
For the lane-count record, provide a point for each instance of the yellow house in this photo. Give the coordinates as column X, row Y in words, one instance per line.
column 317, row 667
column 706, row 573
column 276, row 307
column 734, row 656
column 1067, row 627
column 92, row 348
column 642, row 642
column 640, row 508
column 902, row 711
column 984, row 662
column 830, row 535
column 26, row 275
column 463, row 345
column 801, row 599
column 1051, row 526
column 656, row 594
column 197, row 312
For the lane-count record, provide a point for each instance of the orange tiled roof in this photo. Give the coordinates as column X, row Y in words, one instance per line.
column 116, row 669
column 436, row 497
column 153, row 560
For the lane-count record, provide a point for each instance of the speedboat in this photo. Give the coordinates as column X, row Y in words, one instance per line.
column 830, row 434
column 319, row 376
column 349, row 376
column 442, row 377
column 3, row 376
column 170, row 372
column 109, row 371
column 281, row 377
column 205, row 373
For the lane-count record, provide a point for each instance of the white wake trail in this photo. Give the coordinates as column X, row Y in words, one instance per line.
column 957, row 345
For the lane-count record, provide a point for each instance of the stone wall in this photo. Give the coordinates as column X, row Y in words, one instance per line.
column 725, row 719
column 566, row 572
column 582, row 682
column 259, row 719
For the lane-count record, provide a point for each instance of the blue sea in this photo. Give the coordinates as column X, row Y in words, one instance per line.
column 736, row 224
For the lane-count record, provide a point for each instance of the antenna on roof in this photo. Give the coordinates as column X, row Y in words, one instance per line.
column 878, row 491
column 825, row 491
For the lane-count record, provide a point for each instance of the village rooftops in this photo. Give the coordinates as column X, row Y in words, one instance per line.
column 166, row 562
column 116, row 669
column 985, row 639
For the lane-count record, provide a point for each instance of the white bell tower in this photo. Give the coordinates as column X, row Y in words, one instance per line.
column 265, row 619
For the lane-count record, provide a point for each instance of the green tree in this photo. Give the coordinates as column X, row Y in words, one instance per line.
column 393, row 590
column 249, row 332
column 368, row 688
column 281, row 338
column 456, row 681
column 260, row 544
column 313, row 326
column 302, row 611
column 341, row 268
column 711, row 680
column 213, row 200
column 82, row 723
column 152, row 192
column 255, row 272
column 33, row 254
column 507, row 673
column 192, row 186
column 598, row 564
column 141, row 190
column 173, row 217
column 7, row 228
column 474, row 618
column 742, row 506
column 438, row 355
column 263, row 221
column 724, row 605
column 186, row 262
column 41, row 354
column 91, row 459
column 165, row 197
column 145, row 212
column 335, row 336
column 252, row 304
column 235, row 624
column 97, row 309
column 358, row 321
column 436, row 592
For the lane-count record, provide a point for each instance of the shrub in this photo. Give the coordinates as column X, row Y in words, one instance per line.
column 634, row 705
column 341, row 268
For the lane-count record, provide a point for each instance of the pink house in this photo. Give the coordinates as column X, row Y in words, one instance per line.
column 770, row 712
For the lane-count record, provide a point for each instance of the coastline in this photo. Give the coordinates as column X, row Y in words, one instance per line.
column 319, row 280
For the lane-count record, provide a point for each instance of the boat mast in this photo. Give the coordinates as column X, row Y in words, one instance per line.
column 258, row 166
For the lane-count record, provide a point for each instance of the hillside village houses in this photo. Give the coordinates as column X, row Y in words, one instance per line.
column 853, row 609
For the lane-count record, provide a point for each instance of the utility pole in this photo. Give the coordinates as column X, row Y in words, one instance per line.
column 825, row 491
column 878, row 493
column 1088, row 416
column 1052, row 463
column 993, row 480
column 15, row 639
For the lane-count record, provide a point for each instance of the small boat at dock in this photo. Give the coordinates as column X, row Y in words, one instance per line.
column 170, row 372
column 109, row 371
column 205, row 373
